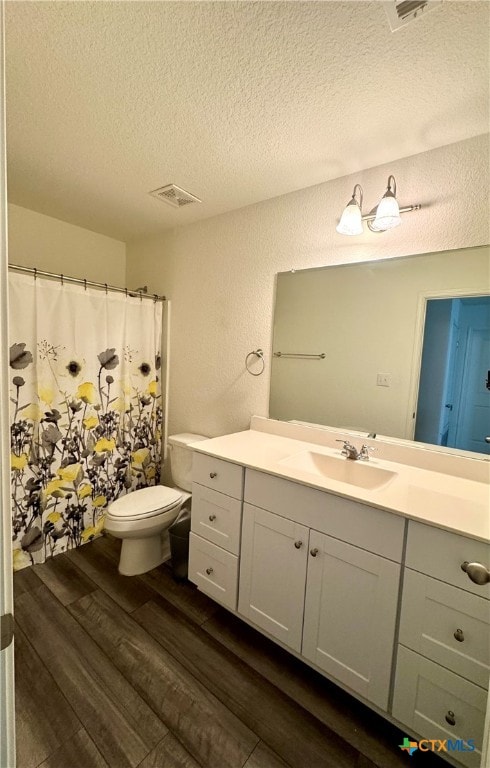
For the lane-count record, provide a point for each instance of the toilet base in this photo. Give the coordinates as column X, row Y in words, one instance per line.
column 141, row 555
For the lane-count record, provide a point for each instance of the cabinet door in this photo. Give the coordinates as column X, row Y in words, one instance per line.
column 350, row 615
column 273, row 574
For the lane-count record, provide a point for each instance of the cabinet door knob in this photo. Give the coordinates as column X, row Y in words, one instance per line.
column 212, row 517
column 209, row 571
column 476, row 572
column 459, row 635
column 314, row 552
column 212, row 475
column 298, row 544
column 450, row 718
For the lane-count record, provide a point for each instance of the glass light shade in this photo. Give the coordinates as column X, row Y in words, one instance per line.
column 351, row 220
column 387, row 213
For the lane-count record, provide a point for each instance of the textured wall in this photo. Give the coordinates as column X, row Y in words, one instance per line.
column 40, row 241
column 219, row 273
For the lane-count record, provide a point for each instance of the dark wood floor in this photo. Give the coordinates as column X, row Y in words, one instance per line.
column 143, row 671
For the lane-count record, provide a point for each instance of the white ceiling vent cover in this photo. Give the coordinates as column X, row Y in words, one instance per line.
column 174, row 195
column 402, row 12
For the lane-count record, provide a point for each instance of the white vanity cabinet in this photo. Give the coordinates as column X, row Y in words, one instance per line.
column 443, row 664
column 356, row 572
column 331, row 600
column 214, row 545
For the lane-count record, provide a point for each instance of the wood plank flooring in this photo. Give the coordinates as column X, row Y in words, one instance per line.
column 145, row 672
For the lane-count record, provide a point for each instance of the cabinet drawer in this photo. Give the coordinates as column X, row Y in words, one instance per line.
column 220, row 475
column 425, row 694
column 214, row 571
column 216, row 517
column 448, row 625
column 440, row 554
column 367, row 527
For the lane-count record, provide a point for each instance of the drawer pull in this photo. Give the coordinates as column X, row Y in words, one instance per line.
column 212, row 475
column 209, row 571
column 459, row 635
column 450, row 718
column 212, row 518
column 298, row 544
column 314, row 552
column 476, row 572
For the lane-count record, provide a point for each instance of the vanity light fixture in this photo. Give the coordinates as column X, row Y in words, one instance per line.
column 385, row 216
column 388, row 210
column 351, row 220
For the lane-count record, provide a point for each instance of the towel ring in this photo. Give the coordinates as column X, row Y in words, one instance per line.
column 260, row 355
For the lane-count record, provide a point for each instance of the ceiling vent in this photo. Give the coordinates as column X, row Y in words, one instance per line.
column 402, row 12
column 175, row 196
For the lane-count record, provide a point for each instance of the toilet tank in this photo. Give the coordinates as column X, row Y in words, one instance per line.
column 181, row 458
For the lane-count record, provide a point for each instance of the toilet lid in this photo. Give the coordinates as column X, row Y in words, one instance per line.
column 145, row 502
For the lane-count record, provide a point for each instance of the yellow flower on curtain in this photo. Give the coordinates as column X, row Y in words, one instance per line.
column 90, row 422
column 151, row 472
column 18, row 461
column 46, row 393
column 20, row 559
column 73, row 473
column 103, row 444
column 100, row 501
column 54, row 517
column 53, row 488
column 120, row 404
column 153, row 388
column 141, row 458
column 84, row 491
column 93, row 530
column 32, row 411
column 87, row 393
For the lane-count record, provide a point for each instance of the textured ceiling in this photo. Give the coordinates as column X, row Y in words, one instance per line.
column 236, row 102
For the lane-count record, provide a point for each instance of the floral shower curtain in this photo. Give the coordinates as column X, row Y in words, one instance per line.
column 86, row 412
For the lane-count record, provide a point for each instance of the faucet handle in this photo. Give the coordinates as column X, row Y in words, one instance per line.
column 349, row 450
column 364, row 452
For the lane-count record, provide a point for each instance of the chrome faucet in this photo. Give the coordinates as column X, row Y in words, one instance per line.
column 350, row 451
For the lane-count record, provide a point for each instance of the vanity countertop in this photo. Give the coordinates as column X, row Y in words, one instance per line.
column 440, row 499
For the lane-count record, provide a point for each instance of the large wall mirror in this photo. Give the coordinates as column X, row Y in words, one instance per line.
column 398, row 347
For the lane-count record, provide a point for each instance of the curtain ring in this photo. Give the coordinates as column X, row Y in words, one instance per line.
column 126, row 292
column 105, row 288
column 85, row 283
column 35, row 273
column 61, row 278
column 260, row 355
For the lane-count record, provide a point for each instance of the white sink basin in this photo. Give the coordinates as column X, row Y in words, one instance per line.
column 359, row 473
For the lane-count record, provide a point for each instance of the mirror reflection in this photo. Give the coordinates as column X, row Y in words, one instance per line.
column 398, row 347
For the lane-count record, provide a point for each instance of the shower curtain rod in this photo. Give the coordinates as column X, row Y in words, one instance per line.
column 85, row 283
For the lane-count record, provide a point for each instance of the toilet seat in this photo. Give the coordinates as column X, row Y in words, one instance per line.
column 144, row 503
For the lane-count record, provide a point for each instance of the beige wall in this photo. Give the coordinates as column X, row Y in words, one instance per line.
column 36, row 240
column 220, row 273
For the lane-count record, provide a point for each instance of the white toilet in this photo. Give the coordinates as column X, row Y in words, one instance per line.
column 141, row 519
